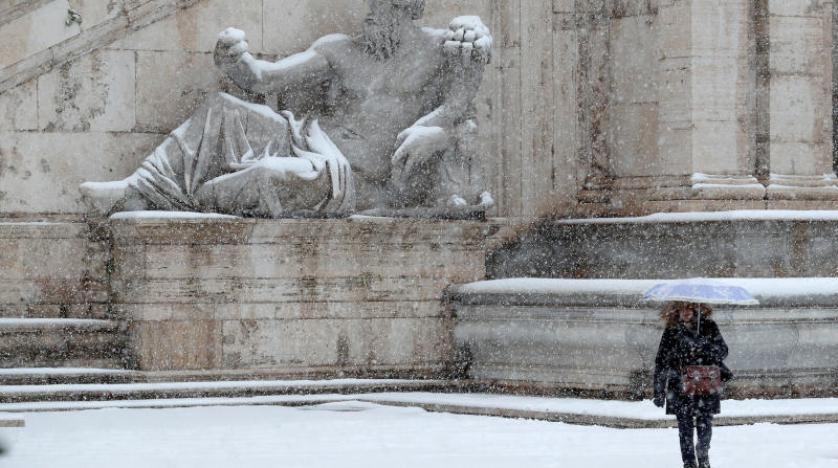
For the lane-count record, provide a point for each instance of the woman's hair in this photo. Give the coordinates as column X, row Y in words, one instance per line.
column 670, row 315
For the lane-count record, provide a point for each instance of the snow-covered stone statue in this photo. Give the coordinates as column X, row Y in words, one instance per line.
column 385, row 129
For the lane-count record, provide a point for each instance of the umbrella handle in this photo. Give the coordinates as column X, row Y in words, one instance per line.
column 698, row 324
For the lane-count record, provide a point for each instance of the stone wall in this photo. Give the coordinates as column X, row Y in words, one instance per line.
column 590, row 106
column 672, row 246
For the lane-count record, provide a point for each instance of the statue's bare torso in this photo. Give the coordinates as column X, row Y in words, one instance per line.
column 372, row 100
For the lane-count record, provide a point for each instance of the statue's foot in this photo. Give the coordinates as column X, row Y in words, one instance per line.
column 104, row 198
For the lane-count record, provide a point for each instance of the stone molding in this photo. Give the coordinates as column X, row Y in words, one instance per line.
column 134, row 15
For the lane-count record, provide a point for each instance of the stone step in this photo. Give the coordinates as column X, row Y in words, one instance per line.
column 54, row 311
column 64, row 375
column 606, row 413
column 61, row 343
column 219, row 389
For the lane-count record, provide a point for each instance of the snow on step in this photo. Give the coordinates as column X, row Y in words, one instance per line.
column 59, row 371
column 760, row 287
column 6, row 421
column 37, row 324
column 65, row 392
column 620, row 414
column 224, row 385
column 715, row 216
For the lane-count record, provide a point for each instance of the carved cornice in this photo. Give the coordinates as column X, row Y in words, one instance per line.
column 134, row 15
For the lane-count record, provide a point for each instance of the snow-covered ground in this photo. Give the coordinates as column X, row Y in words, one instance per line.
column 353, row 434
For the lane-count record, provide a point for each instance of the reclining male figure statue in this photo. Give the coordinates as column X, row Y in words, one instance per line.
column 388, row 118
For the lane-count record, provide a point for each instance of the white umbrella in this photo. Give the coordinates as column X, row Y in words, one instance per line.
column 700, row 291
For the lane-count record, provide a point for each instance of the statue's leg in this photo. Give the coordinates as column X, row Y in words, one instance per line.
column 217, row 139
column 274, row 187
column 103, row 198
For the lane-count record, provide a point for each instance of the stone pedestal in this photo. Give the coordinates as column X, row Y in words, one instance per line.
column 307, row 297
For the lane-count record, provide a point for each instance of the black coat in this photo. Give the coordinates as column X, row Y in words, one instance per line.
column 679, row 348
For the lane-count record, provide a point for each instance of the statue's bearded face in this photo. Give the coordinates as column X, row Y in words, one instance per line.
column 382, row 28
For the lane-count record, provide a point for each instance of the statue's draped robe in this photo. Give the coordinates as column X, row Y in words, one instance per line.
column 239, row 158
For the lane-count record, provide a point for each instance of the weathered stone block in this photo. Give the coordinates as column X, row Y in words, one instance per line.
column 793, row 110
column 176, row 345
column 797, row 7
column 634, row 60
column 797, row 45
column 35, row 32
column 52, row 270
column 19, row 107
column 170, row 85
column 634, row 140
column 94, row 93
column 41, row 172
column 196, row 28
column 333, row 343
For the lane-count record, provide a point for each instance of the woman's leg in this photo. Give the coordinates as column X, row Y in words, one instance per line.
column 704, row 426
column 686, row 430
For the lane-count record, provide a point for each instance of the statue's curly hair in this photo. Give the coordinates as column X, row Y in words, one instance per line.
column 415, row 7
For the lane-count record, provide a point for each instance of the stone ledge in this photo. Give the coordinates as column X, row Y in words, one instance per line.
column 675, row 245
column 596, row 337
column 10, row 422
column 177, row 390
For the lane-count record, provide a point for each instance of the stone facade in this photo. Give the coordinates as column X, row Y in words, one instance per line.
column 589, row 107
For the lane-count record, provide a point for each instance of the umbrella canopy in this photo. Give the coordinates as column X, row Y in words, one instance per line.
column 700, row 291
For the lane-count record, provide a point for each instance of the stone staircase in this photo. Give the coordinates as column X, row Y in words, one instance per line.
column 55, row 326
column 51, row 343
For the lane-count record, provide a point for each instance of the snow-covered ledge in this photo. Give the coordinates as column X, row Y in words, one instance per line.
column 597, row 336
column 757, row 243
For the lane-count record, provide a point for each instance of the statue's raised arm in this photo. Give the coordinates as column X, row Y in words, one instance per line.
column 233, row 58
column 467, row 48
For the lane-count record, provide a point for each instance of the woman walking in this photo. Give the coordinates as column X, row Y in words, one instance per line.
column 689, row 372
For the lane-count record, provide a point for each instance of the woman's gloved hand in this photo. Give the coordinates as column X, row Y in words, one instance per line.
column 659, row 401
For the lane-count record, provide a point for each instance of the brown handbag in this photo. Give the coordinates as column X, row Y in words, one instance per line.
column 701, row 380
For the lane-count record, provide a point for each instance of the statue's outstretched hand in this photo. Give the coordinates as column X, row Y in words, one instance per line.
column 416, row 146
column 230, row 48
column 470, row 40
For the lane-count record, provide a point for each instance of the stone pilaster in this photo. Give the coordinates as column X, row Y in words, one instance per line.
column 722, row 100
column 800, row 34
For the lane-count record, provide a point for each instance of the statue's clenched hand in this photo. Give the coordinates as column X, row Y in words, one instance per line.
column 415, row 147
column 470, row 40
column 230, row 48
